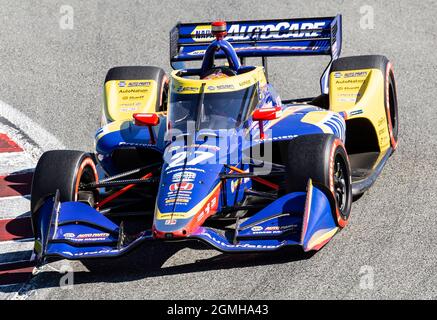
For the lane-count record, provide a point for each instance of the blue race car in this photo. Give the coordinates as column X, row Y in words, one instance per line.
column 212, row 153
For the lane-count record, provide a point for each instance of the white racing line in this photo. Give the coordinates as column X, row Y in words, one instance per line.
column 40, row 139
column 32, row 141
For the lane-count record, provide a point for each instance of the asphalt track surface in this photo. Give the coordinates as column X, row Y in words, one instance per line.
column 55, row 77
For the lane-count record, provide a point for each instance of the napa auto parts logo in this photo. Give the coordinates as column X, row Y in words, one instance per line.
column 281, row 30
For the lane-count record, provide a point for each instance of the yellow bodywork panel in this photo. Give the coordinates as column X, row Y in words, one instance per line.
column 234, row 83
column 123, row 98
column 318, row 118
column 360, row 94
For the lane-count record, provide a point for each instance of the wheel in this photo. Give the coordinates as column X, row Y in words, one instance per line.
column 391, row 105
column 323, row 159
column 63, row 170
column 140, row 73
column 385, row 66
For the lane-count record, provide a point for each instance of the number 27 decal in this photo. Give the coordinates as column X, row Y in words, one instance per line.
column 179, row 158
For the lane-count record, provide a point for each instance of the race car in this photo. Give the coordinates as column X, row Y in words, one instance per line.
column 212, row 153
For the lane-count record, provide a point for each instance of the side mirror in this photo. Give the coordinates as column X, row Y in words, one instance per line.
column 265, row 114
column 147, row 119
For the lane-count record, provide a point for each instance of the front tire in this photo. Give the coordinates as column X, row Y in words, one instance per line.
column 63, row 170
column 323, row 159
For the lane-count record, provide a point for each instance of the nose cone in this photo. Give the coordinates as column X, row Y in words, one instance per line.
column 189, row 192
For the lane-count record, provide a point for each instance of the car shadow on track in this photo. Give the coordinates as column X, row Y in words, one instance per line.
column 149, row 261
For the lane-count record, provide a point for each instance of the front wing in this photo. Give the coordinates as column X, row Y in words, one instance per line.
column 73, row 230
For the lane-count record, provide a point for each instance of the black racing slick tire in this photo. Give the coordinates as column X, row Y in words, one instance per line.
column 143, row 73
column 386, row 67
column 63, row 170
column 323, row 159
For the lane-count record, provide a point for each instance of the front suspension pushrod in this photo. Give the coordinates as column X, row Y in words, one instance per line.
column 121, row 191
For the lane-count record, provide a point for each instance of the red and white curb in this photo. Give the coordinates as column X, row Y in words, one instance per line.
column 22, row 142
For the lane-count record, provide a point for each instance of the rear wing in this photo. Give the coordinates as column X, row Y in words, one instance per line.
column 260, row 38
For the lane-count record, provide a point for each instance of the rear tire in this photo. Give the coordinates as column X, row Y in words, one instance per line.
column 385, row 66
column 391, row 106
column 143, row 73
column 63, row 170
column 323, row 159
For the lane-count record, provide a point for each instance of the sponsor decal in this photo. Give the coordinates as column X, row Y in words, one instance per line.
column 355, row 112
column 128, row 109
column 92, row 235
column 123, row 84
column 177, row 200
column 197, row 53
column 69, row 235
column 170, row 222
column 221, row 87
column 257, row 228
column 202, row 33
column 132, row 97
column 184, row 186
column 180, row 89
column 226, row 87
column 223, row 244
column 262, row 48
column 86, row 236
column 286, row 137
column 209, row 207
column 281, row 228
column 174, row 215
column 188, row 169
column 92, row 253
column 355, row 74
column 133, row 90
column 184, row 176
column 131, row 144
column 139, row 84
column 278, row 31
column 275, row 229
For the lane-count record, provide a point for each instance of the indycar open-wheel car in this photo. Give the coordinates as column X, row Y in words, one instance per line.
column 213, row 154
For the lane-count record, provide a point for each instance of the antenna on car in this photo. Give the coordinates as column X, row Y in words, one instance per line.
column 218, row 29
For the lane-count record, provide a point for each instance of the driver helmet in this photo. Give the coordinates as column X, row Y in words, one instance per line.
column 215, row 74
